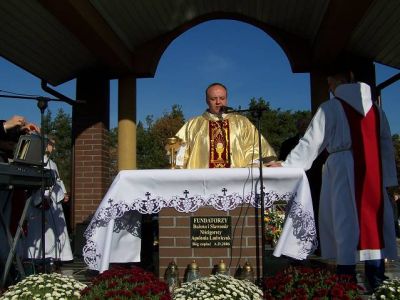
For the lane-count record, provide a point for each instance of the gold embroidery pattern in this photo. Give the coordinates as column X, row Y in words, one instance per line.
column 219, row 144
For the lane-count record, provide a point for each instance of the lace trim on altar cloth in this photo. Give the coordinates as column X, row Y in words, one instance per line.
column 304, row 229
column 121, row 212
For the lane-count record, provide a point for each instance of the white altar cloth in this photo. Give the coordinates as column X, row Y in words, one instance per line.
column 113, row 234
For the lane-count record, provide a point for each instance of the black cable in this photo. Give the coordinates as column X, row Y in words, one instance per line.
column 250, row 175
column 19, row 94
column 237, row 221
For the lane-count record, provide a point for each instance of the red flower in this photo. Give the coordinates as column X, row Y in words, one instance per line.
column 321, row 292
column 308, row 283
column 270, row 282
column 124, row 283
column 281, row 288
column 112, row 284
column 337, row 291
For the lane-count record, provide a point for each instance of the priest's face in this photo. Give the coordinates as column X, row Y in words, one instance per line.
column 216, row 98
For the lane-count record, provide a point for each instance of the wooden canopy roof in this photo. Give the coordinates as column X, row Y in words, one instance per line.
column 60, row 40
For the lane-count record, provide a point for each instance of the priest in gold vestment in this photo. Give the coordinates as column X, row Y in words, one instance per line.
column 219, row 140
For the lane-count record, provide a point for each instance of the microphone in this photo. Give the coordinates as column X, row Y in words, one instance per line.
column 225, row 109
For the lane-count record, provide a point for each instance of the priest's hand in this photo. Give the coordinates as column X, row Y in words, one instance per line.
column 274, row 164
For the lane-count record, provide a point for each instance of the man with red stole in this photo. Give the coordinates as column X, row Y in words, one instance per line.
column 355, row 213
column 217, row 139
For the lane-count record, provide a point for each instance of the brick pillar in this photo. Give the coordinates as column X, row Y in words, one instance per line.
column 174, row 241
column 90, row 149
column 319, row 88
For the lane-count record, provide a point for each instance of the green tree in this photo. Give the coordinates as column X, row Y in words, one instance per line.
column 46, row 126
column 276, row 125
column 112, row 141
column 60, row 128
column 144, row 147
column 396, row 144
column 151, row 153
column 151, row 139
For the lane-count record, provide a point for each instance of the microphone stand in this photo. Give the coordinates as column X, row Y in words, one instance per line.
column 257, row 113
column 42, row 104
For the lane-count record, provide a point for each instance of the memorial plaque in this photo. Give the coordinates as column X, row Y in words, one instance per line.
column 211, row 232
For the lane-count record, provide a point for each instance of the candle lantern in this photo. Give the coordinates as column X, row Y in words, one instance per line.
column 221, row 268
column 247, row 272
column 171, row 276
column 192, row 272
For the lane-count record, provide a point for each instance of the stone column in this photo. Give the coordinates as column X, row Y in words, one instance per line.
column 127, row 123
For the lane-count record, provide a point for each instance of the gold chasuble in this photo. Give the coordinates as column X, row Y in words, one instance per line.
column 212, row 141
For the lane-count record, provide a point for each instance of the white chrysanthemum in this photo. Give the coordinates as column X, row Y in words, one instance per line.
column 44, row 286
column 390, row 289
column 218, row 287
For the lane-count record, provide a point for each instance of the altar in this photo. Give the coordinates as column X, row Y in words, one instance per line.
column 113, row 235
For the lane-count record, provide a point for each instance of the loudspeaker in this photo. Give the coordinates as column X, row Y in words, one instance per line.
column 28, row 150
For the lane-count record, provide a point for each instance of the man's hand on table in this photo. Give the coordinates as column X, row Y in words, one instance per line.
column 274, row 164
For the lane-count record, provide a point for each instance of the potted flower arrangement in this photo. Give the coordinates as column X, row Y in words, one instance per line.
column 390, row 289
column 218, row 286
column 126, row 283
column 45, row 286
column 310, row 283
column 274, row 220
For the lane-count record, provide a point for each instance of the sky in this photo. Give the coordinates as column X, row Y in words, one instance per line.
column 248, row 61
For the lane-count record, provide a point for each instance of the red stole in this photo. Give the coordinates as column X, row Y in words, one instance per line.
column 367, row 175
column 219, row 144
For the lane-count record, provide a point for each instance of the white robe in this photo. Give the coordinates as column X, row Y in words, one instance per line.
column 57, row 244
column 338, row 218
